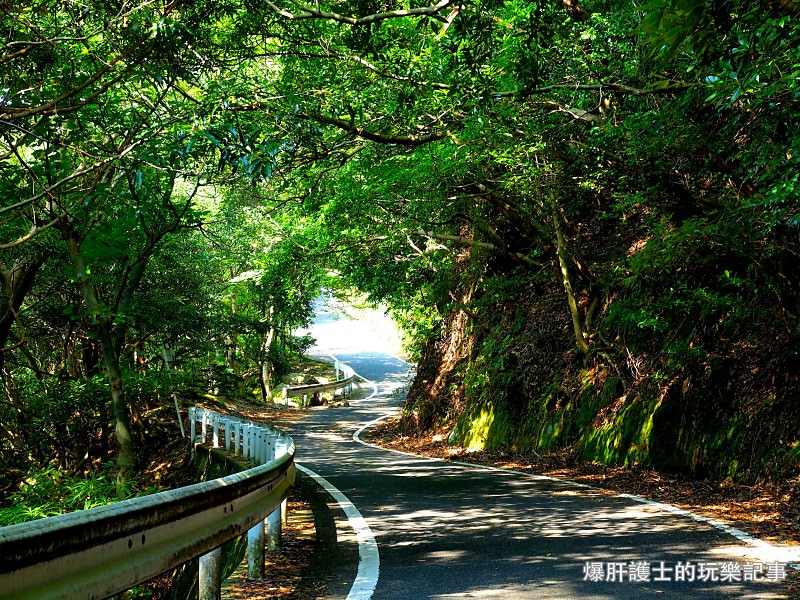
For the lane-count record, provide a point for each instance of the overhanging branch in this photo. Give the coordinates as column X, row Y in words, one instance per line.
column 477, row 244
column 411, row 141
column 311, row 13
column 598, row 87
column 575, row 113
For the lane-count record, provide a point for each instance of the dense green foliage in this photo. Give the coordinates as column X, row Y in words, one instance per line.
column 52, row 494
column 588, row 218
column 121, row 231
column 584, row 216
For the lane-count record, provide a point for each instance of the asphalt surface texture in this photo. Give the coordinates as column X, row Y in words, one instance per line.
column 447, row 530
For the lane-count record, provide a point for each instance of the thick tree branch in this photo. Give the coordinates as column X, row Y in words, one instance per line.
column 311, row 13
column 433, row 84
column 350, row 244
column 477, row 244
column 347, row 126
column 30, row 133
column 98, row 166
column 575, row 113
column 597, row 87
column 15, row 283
column 564, row 256
column 52, row 106
column 32, row 233
column 411, row 141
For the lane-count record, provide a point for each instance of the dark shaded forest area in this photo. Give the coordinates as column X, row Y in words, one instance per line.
column 583, row 215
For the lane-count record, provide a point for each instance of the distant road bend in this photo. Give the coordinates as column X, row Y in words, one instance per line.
column 446, row 530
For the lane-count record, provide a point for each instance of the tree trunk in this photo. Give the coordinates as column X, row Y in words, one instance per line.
column 15, row 283
column 13, row 427
column 264, row 381
column 126, row 452
column 266, row 366
column 563, row 261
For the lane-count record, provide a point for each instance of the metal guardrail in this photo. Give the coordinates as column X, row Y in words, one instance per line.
column 100, row 552
column 349, row 375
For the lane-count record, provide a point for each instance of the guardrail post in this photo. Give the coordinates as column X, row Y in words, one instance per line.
column 255, row 454
column 274, row 530
column 204, row 425
column 77, row 555
column 255, row 450
column 280, row 446
column 269, row 450
column 209, row 578
column 284, row 512
column 255, row 551
column 215, row 420
column 260, row 446
column 228, row 434
column 268, row 446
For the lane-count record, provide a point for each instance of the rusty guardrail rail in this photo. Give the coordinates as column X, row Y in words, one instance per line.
column 100, row 552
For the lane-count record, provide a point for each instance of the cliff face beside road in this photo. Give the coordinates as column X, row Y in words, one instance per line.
column 691, row 358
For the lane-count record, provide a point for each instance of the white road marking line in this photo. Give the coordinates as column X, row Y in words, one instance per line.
column 786, row 554
column 367, row 381
column 368, row 556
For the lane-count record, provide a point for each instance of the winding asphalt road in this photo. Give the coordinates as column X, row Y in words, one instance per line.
column 447, row 530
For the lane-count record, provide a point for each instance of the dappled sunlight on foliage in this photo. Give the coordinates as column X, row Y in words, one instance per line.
column 583, row 217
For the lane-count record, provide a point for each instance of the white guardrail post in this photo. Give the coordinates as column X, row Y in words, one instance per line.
column 103, row 551
column 255, row 551
column 192, row 421
column 209, row 575
column 274, row 530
